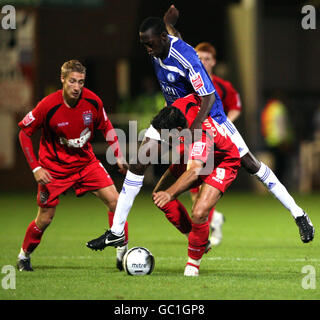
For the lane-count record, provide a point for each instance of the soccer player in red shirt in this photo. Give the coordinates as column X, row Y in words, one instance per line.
column 229, row 96
column 231, row 104
column 214, row 148
column 67, row 119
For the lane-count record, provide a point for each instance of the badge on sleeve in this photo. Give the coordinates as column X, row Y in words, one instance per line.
column 197, row 81
column 28, row 119
column 198, row 148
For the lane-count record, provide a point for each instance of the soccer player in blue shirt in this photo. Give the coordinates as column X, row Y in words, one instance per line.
column 253, row 165
column 180, row 73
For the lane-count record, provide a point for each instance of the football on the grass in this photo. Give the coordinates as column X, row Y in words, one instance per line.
column 138, row 261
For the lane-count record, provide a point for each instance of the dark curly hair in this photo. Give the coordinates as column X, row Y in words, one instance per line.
column 169, row 118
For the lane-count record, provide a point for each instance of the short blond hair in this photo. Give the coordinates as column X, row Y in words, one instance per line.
column 206, row 47
column 72, row 66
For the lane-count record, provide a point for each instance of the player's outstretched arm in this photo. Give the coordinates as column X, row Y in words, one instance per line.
column 170, row 18
column 183, row 184
column 206, row 105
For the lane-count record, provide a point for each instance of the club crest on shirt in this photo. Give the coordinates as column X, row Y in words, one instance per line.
column 87, row 118
column 171, row 77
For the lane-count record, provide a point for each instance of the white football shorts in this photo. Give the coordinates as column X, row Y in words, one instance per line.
column 236, row 137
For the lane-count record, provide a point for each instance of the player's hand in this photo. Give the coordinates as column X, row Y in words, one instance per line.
column 161, row 198
column 123, row 165
column 42, row 176
column 171, row 16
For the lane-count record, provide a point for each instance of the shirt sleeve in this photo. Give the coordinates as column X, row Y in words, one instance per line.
column 104, row 124
column 27, row 148
column 33, row 120
column 197, row 74
column 201, row 149
column 198, row 151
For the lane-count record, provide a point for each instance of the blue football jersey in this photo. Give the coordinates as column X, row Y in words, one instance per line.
column 182, row 73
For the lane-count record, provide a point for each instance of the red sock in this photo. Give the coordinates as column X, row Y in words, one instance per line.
column 178, row 215
column 198, row 238
column 210, row 216
column 32, row 237
column 126, row 230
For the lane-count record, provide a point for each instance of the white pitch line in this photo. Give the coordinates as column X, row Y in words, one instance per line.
column 240, row 259
column 264, row 259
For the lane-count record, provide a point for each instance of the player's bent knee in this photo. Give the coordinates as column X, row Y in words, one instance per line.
column 199, row 214
column 44, row 217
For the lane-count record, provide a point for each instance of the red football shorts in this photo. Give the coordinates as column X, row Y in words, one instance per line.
column 92, row 177
column 220, row 178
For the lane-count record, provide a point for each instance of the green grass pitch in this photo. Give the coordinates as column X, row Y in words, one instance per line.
column 261, row 256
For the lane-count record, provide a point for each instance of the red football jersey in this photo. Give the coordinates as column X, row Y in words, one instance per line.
column 214, row 141
column 66, row 132
column 229, row 96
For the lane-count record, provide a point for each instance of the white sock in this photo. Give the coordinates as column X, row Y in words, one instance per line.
column 130, row 189
column 268, row 178
column 195, row 262
column 23, row 255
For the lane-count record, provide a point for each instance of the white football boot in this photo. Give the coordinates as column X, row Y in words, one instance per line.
column 216, row 228
column 121, row 251
column 191, row 271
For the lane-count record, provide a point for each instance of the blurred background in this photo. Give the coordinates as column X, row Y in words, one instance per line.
column 261, row 48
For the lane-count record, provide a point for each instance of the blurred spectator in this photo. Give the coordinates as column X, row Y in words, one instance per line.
column 277, row 133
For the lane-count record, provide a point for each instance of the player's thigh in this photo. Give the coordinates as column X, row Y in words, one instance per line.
column 194, row 193
column 48, row 194
column 44, row 217
column 109, row 195
column 205, row 201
